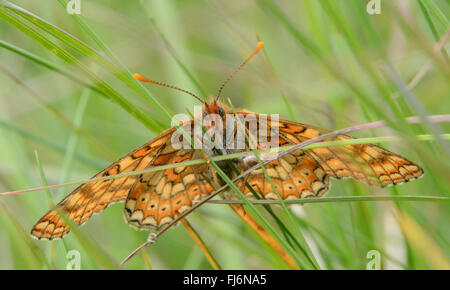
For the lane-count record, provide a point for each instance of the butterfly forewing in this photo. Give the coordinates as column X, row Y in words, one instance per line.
column 369, row 163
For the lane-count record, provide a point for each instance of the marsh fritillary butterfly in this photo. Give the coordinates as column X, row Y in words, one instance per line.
column 153, row 200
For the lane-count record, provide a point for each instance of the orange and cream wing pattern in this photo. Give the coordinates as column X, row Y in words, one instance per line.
column 294, row 176
column 305, row 172
column 369, row 163
column 91, row 198
column 161, row 196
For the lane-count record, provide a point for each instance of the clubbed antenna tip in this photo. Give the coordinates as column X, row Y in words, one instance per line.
column 258, row 47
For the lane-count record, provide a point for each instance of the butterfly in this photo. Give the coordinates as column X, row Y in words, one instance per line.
column 154, row 199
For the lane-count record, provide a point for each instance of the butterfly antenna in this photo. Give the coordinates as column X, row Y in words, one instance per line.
column 144, row 79
column 257, row 49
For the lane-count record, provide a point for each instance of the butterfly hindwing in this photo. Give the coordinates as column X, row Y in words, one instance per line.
column 163, row 195
column 294, row 176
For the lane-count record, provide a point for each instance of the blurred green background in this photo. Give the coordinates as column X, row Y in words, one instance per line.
column 325, row 63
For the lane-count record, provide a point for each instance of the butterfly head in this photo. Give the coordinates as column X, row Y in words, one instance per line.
column 215, row 107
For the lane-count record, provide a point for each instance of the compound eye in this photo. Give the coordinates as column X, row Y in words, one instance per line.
column 204, row 114
column 221, row 112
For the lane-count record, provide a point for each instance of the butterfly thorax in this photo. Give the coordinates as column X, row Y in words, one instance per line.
column 227, row 132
